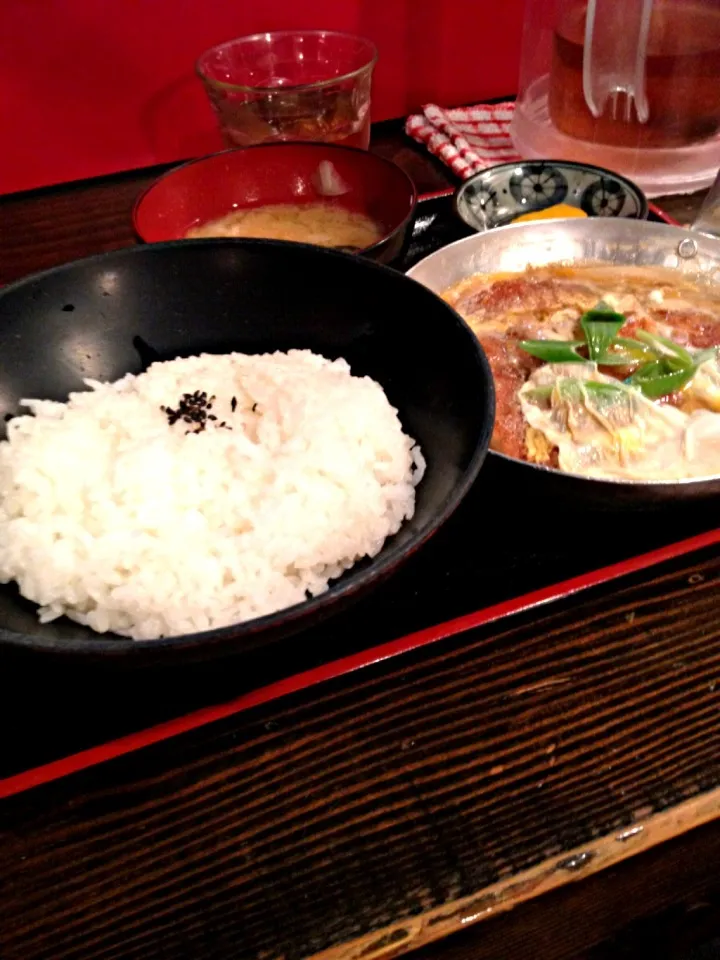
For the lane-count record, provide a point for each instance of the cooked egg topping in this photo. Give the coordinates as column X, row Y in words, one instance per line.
column 604, row 428
column 556, row 212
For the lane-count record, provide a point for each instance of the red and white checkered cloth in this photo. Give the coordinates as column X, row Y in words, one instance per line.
column 467, row 139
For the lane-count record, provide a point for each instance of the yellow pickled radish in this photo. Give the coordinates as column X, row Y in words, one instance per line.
column 558, row 210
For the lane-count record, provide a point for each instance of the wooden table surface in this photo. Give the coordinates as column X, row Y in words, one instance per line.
column 562, row 762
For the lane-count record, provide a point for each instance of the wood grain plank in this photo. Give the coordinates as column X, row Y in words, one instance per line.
column 386, row 809
column 580, row 863
column 659, row 904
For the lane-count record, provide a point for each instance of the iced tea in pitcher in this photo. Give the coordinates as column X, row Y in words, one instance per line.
column 681, row 76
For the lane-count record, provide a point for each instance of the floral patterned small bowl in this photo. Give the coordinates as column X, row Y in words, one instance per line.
column 497, row 196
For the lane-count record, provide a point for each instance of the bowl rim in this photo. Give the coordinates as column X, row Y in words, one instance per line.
column 298, row 87
column 120, row 647
column 376, row 158
column 644, row 206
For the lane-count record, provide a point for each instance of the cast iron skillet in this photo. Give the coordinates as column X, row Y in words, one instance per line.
column 109, row 315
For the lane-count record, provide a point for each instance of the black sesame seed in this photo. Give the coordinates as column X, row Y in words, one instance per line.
column 254, row 407
column 233, row 404
column 191, row 408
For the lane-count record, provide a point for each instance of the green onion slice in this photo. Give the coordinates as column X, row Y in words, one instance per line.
column 554, row 351
column 600, row 326
column 660, row 378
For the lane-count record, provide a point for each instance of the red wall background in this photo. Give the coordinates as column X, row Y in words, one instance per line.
column 90, row 87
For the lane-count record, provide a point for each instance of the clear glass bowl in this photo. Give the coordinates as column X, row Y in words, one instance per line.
column 291, row 85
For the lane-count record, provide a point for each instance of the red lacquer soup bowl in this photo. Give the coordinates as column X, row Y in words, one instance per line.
column 282, row 173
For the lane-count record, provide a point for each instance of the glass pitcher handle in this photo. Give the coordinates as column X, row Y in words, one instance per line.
column 616, row 36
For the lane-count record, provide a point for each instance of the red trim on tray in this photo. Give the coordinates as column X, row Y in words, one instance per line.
column 654, row 208
column 93, row 756
column 436, row 194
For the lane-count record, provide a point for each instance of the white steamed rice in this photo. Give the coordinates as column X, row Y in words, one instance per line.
column 117, row 519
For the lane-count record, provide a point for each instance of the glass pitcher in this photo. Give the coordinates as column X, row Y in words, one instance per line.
column 633, row 85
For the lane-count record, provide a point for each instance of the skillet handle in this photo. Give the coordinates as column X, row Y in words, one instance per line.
column 708, row 219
